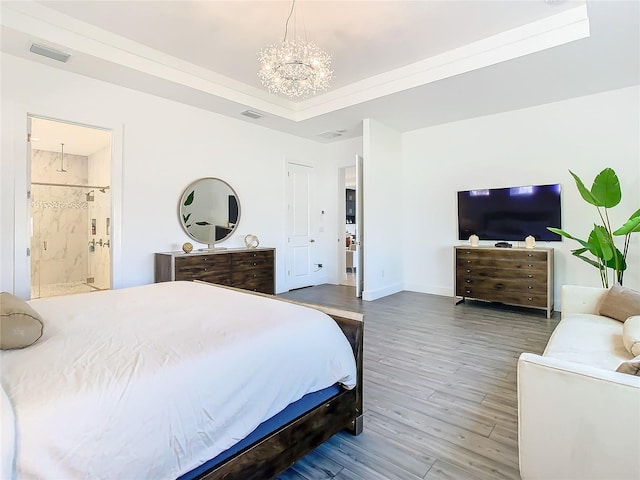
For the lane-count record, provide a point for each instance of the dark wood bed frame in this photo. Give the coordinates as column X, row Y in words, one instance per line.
column 280, row 449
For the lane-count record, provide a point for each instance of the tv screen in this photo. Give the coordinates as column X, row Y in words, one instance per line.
column 511, row 213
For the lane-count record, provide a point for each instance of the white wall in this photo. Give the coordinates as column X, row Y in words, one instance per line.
column 383, row 207
column 160, row 147
column 536, row 145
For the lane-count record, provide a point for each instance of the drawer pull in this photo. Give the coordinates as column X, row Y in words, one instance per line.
column 529, row 287
column 530, row 276
column 529, row 255
column 530, row 265
column 468, row 271
column 468, row 261
column 255, row 263
column 468, row 281
column 468, row 291
column 530, row 299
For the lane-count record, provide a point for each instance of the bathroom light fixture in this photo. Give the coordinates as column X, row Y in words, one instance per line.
column 62, row 158
column 295, row 68
column 49, row 52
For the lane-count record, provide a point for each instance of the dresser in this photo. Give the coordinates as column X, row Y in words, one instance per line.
column 514, row 276
column 247, row 268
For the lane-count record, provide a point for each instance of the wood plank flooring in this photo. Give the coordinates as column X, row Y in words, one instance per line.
column 439, row 389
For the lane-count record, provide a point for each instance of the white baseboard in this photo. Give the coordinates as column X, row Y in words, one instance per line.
column 370, row 295
column 432, row 289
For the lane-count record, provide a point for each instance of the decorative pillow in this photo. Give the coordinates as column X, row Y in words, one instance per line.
column 620, row 303
column 20, row 325
column 631, row 334
column 632, row 367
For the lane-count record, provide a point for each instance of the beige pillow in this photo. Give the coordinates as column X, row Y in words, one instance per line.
column 20, row 325
column 620, row 303
column 631, row 335
column 632, row 367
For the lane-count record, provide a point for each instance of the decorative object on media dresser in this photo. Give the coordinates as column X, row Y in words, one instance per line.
column 514, row 276
column 187, row 247
column 605, row 193
column 529, row 242
column 474, row 240
column 250, row 269
column 209, row 211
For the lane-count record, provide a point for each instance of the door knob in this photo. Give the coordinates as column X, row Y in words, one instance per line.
column 312, row 240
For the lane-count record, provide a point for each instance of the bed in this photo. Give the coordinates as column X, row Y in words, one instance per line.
column 179, row 380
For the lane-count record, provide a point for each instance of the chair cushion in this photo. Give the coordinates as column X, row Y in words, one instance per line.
column 631, row 335
column 620, row 303
column 588, row 339
column 20, row 325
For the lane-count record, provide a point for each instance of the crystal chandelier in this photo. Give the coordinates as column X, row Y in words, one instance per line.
column 295, row 68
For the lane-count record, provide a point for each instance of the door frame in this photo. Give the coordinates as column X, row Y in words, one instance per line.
column 22, row 204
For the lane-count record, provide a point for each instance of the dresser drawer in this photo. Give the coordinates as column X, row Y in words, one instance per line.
column 208, row 268
column 468, row 286
column 203, row 261
column 505, row 296
column 252, row 260
column 501, row 254
column 479, row 273
column 519, row 265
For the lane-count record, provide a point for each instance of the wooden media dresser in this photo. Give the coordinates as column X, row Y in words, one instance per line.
column 514, row 276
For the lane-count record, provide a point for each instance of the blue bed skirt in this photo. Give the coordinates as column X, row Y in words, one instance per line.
column 293, row 411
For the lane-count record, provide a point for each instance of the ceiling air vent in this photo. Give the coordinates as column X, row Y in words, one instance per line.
column 252, row 114
column 332, row 134
column 49, row 52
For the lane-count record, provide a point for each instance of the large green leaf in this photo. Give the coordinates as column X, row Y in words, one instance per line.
column 584, row 191
column 568, row 235
column 189, row 199
column 621, row 265
column 600, row 237
column 586, row 259
column 631, row 225
column 606, row 189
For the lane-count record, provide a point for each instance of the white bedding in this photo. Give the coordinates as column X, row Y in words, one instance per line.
column 151, row 381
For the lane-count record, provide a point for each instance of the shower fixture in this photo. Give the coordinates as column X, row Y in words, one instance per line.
column 89, row 195
column 62, row 158
column 103, row 190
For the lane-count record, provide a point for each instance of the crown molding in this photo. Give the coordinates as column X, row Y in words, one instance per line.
column 79, row 38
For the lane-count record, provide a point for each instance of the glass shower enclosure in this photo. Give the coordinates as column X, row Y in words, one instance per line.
column 70, row 240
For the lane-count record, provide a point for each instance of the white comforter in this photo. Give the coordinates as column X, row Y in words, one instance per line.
column 151, row 381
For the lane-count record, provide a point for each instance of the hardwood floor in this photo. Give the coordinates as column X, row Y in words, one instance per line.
column 439, row 389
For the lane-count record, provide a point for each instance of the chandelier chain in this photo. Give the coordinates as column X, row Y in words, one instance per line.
column 286, row 25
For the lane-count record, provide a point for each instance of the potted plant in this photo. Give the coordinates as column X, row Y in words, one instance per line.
column 605, row 193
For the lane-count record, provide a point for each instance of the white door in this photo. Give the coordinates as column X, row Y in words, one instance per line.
column 299, row 241
column 359, row 258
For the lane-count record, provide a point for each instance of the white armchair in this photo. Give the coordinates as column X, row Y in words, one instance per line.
column 577, row 417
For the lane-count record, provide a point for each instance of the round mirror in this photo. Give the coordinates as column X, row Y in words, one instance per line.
column 209, row 211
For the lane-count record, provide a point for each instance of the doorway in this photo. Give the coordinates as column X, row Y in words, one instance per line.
column 351, row 249
column 70, row 192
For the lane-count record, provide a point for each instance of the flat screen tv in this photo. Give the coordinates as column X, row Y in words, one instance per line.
column 511, row 213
